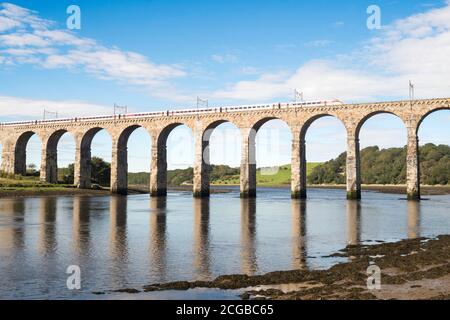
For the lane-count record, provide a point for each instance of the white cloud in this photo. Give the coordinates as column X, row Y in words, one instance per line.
column 6, row 23
column 33, row 108
column 32, row 40
column 415, row 48
column 225, row 58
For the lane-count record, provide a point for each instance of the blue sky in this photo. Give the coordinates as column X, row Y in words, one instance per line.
column 155, row 55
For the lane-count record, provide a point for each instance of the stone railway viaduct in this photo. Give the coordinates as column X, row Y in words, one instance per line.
column 298, row 116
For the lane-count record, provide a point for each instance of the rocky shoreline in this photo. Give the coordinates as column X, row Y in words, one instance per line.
column 410, row 269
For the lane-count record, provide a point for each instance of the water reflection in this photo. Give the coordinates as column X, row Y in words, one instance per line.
column 201, row 238
column 108, row 236
column 80, row 225
column 299, row 250
column 413, row 219
column 158, row 219
column 118, row 247
column 47, row 234
column 248, row 236
column 353, row 222
column 13, row 236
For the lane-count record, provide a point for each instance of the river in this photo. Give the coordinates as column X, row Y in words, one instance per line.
column 127, row 242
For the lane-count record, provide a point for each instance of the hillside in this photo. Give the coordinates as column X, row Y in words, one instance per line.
column 223, row 175
column 388, row 166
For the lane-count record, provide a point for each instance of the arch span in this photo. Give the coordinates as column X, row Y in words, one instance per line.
column 119, row 165
column 434, row 138
column 158, row 173
column 398, row 161
column 299, row 155
column 249, row 154
column 202, row 165
column 364, row 119
column 83, row 164
column 20, row 152
column 423, row 117
column 49, row 167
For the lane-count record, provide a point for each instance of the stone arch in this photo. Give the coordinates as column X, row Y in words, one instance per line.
column 424, row 116
column 258, row 124
column 438, row 118
column 364, row 119
column 355, row 138
column 309, row 121
column 299, row 161
column 248, row 155
column 20, row 152
column 158, row 173
column 49, row 167
column 83, row 163
column 202, row 166
column 119, row 166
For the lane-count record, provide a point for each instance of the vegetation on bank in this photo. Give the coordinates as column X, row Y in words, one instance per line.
column 223, row 175
column 388, row 166
column 378, row 167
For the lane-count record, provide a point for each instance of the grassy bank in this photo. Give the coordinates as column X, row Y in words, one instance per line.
column 268, row 177
column 32, row 186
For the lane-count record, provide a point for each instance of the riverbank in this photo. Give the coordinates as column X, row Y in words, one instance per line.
column 55, row 190
column 410, row 269
column 393, row 189
column 51, row 191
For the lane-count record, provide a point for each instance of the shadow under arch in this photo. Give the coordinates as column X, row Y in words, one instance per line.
column 50, row 169
column 121, row 184
column 20, row 152
column 83, row 166
column 158, row 172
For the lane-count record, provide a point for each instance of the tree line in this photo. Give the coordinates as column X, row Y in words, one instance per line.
column 388, row 166
column 378, row 166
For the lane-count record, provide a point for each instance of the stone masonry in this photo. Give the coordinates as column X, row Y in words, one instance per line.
column 14, row 138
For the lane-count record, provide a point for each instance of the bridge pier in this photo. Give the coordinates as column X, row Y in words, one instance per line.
column 412, row 165
column 82, row 165
column 49, row 164
column 119, row 168
column 7, row 165
column 201, row 184
column 158, row 172
column 49, row 160
column 20, row 153
column 298, row 167
column 353, row 168
column 248, row 163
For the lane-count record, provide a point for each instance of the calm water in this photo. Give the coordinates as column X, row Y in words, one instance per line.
column 122, row 242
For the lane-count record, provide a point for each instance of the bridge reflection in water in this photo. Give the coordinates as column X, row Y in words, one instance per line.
column 140, row 240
